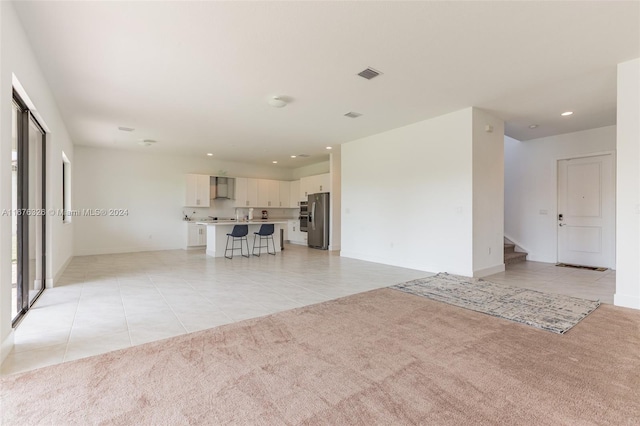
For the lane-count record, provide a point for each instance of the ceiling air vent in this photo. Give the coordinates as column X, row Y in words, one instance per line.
column 352, row 114
column 303, row 155
column 126, row 129
column 369, row 73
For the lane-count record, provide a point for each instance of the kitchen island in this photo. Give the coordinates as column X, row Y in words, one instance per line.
column 217, row 234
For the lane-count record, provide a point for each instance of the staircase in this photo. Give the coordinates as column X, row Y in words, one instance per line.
column 512, row 256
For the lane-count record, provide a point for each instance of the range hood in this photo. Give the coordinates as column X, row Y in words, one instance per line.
column 223, row 188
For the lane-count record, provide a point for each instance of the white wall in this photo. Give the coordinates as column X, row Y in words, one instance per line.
column 628, row 187
column 17, row 58
column 311, row 170
column 407, row 196
column 530, row 186
column 488, row 194
column 152, row 187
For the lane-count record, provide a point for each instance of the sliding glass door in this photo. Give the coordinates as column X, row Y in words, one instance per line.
column 28, row 209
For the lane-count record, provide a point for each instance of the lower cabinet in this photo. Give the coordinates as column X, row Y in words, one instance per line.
column 295, row 235
column 196, row 235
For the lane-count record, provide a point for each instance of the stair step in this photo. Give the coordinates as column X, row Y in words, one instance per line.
column 509, row 248
column 515, row 257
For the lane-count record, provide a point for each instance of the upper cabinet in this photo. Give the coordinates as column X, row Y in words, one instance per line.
column 268, row 193
column 246, row 192
column 251, row 192
column 314, row 184
column 274, row 193
column 285, row 189
column 294, row 193
column 198, row 191
column 241, row 192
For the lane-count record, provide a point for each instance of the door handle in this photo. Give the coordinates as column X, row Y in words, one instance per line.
column 562, row 224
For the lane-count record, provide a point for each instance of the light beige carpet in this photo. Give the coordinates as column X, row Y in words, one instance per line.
column 382, row 357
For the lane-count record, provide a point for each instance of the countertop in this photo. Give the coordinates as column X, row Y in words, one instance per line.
column 236, row 222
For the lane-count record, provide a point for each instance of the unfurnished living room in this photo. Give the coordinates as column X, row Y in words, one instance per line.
column 343, row 213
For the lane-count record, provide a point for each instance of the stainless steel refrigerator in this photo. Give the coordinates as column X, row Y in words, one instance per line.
column 318, row 227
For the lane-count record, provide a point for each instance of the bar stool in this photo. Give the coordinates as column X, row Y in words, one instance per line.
column 239, row 232
column 265, row 232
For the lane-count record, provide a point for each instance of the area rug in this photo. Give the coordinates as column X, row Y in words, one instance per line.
column 590, row 268
column 553, row 312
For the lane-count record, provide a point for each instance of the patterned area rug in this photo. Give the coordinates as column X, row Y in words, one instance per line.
column 552, row 312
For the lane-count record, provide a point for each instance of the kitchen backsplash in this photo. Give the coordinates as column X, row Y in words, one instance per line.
column 225, row 209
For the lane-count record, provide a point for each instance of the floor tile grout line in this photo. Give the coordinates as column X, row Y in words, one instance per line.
column 64, row 357
column 172, row 311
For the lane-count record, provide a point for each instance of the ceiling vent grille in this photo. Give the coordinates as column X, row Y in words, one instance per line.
column 303, row 155
column 352, row 114
column 369, row 73
column 126, row 129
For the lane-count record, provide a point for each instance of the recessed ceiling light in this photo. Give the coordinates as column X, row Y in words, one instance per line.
column 533, row 126
column 567, row 113
column 126, row 129
column 274, row 162
column 329, row 147
column 293, row 156
column 277, row 102
column 210, row 154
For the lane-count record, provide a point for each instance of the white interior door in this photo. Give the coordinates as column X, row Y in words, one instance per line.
column 586, row 212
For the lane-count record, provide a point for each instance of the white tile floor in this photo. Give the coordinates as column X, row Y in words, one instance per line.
column 109, row 302
column 547, row 277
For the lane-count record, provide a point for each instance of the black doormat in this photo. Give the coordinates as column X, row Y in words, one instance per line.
column 591, row 268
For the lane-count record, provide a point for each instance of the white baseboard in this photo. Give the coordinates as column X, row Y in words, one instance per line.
column 626, row 301
column 115, row 250
column 6, row 346
column 488, row 271
column 59, row 273
column 384, row 261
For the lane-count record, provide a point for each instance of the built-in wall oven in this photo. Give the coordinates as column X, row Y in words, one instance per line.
column 304, row 215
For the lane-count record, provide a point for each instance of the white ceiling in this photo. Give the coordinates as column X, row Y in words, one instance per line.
column 196, row 76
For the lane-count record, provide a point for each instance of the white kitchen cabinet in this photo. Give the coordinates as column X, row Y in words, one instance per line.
column 196, row 235
column 246, row 192
column 284, row 194
column 324, row 182
column 268, row 193
column 252, row 192
column 294, row 193
column 241, row 193
column 295, row 236
column 263, row 193
column 273, row 191
column 198, row 191
column 314, row 184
